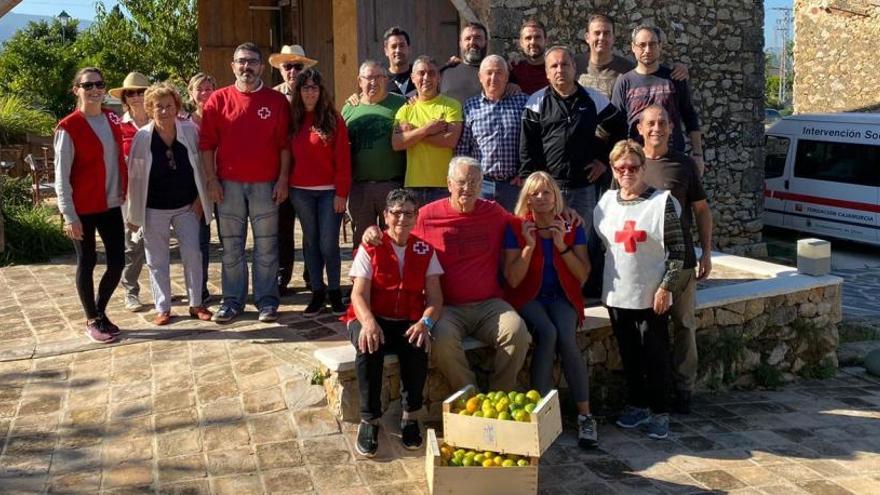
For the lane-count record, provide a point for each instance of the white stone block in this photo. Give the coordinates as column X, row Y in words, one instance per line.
column 814, row 257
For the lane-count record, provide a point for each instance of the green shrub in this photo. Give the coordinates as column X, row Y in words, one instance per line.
column 33, row 234
column 768, row 376
column 17, row 118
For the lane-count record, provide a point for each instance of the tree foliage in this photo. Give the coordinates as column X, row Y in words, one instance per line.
column 158, row 38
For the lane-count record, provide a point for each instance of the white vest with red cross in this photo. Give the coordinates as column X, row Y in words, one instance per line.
column 635, row 255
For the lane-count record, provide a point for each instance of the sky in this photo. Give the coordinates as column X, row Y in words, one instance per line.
column 84, row 9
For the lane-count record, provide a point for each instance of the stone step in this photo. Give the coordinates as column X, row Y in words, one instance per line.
column 853, row 353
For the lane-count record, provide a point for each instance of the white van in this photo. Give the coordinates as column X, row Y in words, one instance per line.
column 822, row 175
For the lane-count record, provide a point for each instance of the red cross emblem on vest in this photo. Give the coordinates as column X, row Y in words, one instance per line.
column 264, row 113
column 629, row 236
column 420, row 247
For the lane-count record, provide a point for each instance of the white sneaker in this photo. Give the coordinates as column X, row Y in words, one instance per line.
column 133, row 304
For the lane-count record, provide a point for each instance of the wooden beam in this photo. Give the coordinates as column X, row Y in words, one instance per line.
column 345, row 49
column 7, row 5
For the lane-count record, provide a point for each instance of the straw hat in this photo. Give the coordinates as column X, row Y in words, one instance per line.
column 291, row 53
column 134, row 80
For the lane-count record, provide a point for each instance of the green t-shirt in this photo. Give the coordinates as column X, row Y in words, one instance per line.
column 426, row 164
column 369, row 130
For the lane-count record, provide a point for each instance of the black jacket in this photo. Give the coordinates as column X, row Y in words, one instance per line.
column 559, row 135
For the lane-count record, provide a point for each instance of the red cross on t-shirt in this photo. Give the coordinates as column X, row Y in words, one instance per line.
column 629, row 236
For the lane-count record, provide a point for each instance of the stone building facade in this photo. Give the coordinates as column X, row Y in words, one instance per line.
column 835, row 45
column 722, row 42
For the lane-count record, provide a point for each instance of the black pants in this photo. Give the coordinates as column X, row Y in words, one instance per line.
column 643, row 338
column 286, row 245
column 110, row 227
column 368, row 366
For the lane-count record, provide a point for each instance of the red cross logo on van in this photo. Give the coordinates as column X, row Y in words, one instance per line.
column 264, row 113
column 419, row 247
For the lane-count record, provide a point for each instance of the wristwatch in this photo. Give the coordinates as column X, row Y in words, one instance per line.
column 428, row 322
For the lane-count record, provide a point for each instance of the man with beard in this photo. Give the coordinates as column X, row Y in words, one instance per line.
column 527, row 71
column 246, row 160
column 462, row 81
column 652, row 83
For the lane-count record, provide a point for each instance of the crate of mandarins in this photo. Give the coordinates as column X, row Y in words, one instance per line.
column 454, row 470
column 522, row 423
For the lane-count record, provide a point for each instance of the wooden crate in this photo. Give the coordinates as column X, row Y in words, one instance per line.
column 509, row 437
column 443, row 480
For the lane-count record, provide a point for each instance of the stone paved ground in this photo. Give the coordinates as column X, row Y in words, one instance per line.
column 197, row 408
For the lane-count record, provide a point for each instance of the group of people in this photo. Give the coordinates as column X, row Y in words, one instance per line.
column 480, row 196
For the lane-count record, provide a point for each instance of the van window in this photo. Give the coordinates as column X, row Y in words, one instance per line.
column 838, row 162
column 775, row 151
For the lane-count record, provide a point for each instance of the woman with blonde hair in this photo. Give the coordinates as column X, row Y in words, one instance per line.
column 200, row 87
column 166, row 189
column 545, row 265
column 641, row 232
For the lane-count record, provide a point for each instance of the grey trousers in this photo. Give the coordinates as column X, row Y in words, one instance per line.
column 134, row 263
column 157, row 238
column 684, row 333
column 365, row 205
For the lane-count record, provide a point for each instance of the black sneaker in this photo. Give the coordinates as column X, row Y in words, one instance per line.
column 368, row 439
column 108, row 326
column 681, row 403
column 336, row 304
column 587, row 433
column 410, row 434
column 316, row 304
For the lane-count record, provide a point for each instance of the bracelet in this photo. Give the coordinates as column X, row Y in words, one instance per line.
column 567, row 249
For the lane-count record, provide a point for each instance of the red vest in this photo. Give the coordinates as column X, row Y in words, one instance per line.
column 528, row 289
column 87, row 175
column 390, row 295
column 128, row 130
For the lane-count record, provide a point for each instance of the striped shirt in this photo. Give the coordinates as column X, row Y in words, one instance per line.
column 491, row 134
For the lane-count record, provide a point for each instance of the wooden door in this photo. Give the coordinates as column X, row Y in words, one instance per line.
column 432, row 25
column 317, row 35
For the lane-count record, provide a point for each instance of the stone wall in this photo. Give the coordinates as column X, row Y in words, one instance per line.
column 722, row 42
column 759, row 342
column 835, row 45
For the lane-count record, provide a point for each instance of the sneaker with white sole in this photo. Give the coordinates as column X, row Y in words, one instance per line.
column 367, row 439
column 268, row 314
column 633, row 417
column 96, row 333
column 657, row 427
column 588, row 435
column 133, row 303
column 224, row 314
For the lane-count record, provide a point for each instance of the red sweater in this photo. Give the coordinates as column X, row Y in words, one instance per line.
column 87, row 174
column 247, row 131
column 320, row 163
column 468, row 247
column 530, row 78
column 128, row 131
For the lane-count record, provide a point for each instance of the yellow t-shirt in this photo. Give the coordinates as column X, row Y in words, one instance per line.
column 426, row 164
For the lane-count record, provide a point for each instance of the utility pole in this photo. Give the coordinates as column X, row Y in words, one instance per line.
column 783, row 30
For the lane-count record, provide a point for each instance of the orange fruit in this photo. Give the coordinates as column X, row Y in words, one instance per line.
column 472, row 404
column 488, row 463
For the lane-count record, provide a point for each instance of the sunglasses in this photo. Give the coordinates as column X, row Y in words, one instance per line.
column 401, row 213
column 88, row 86
column 134, row 92
column 627, row 169
column 293, row 66
column 170, row 156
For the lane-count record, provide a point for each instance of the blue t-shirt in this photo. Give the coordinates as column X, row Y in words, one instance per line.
column 550, row 290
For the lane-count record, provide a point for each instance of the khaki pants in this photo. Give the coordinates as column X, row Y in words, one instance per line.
column 684, row 333
column 493, row 322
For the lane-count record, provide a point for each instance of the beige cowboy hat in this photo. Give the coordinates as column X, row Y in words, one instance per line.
column 291, row 53
column 134, row 80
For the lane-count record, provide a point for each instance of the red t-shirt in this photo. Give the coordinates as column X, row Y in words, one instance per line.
column 320, row 163
column 247, row 130
column 528, row 77
column 468, row 247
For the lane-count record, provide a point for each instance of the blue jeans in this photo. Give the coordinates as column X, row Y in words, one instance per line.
column 553, row 325
column 243, row 201
column 503, row 192
column 582, row 200
column 425, row 195
column 320, row 225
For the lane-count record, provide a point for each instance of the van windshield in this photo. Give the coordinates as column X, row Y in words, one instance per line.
column 838, row 162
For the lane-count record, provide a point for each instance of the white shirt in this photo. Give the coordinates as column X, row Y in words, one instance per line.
column 361, row 267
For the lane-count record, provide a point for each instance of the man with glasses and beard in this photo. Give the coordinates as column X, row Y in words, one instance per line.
column 246, row 159
column 290, row 62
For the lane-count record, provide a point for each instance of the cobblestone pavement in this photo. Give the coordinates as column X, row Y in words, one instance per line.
column 199, row 408
column 861, row 292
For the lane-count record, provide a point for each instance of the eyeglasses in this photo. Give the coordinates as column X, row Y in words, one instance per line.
column 372, row 78
column 88, row 86
column 134, row 92
column 646, row 44
column 461, row 184
column 297, row 66
column 310, row 87
column 401, row 213
column 170, row 156
column 630, row 169
column 247, row 61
